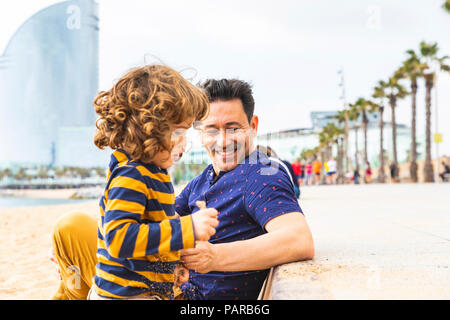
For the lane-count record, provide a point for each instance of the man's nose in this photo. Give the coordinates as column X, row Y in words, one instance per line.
column 224, row 139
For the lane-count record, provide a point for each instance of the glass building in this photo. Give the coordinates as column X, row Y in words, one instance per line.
column 48, row 80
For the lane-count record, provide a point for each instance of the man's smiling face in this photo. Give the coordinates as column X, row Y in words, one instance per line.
column 227, row 134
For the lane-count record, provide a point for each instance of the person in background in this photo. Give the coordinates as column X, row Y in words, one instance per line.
column 348, row 177
column 327, row 178
column 302, row 173
column 331, row 174
column 317, row 166
column 392, row 171
column 356, row 175
column 445, row 172
column 308, row 169
column 287, row 165
column 368, row 175
column 298, row 168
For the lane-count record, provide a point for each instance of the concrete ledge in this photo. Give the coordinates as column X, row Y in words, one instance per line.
column 373, row 241
column 297, row 281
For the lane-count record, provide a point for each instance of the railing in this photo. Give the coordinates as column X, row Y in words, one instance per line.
column 49, row 183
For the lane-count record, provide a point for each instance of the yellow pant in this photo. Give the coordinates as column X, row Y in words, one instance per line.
column 74, row 242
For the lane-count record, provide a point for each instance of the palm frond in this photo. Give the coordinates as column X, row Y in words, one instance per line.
column 446, row 6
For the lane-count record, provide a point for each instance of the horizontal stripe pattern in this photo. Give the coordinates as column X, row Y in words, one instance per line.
column 138, row 236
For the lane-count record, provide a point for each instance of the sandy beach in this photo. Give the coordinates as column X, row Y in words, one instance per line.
column 25, row 237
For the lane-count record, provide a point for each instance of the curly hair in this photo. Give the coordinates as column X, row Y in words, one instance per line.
column 135, row 115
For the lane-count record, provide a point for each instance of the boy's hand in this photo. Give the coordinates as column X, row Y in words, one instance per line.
column 205, row 220
column 181, row 275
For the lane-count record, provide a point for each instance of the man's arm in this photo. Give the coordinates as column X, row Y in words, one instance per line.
column 288, row 239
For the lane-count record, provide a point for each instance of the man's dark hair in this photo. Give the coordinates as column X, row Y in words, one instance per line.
column 229, row 89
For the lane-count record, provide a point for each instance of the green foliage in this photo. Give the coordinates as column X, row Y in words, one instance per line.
column 412, row 68
column 309, row 154
column 446, row 6
column 429, row 52
column 329, row 134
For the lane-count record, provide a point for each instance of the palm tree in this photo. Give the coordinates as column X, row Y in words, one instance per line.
column 413, row 69
column 342, row 117
column 394, row 91
column 379, row 93
column 364, row 106
column 446, row 6
column 360, row 108
column 429, row 54
column 328, row 136
column 307, row 154
column 353, row 115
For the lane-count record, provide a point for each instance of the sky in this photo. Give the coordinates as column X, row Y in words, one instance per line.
column 290, row 51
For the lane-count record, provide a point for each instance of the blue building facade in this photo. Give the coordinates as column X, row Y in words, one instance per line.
column 48, row 80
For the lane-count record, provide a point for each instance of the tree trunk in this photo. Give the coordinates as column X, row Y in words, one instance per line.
column 340, row 161
column 322, row 169
column 428, row 169
column 413, row 153
column 346, row 143
column 356, row 146
column 392, row 101
column 366, row 160
column 365, row 123
column 381, row 173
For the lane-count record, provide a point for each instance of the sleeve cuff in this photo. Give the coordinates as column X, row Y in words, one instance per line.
column 187, row 230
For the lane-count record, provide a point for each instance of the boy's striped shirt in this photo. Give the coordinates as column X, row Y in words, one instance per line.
column 139, row 237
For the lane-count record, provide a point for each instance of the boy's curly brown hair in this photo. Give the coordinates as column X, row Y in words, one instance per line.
column 136, row 113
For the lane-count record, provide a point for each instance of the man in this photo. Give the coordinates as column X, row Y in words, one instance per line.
column 445, row 172
column 317, row 167
column 260, row 221
column 332, row 169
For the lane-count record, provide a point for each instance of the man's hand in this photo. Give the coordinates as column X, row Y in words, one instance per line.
column 201, row 258
column 205, row 222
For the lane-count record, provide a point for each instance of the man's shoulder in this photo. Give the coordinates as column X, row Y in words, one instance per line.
column 268, row 168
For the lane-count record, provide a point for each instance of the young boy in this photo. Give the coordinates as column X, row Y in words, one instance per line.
column 144, row 118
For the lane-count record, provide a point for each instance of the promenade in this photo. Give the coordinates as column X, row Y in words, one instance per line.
column 372, row 242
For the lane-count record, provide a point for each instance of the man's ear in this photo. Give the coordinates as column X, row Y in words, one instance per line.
column 254, row 124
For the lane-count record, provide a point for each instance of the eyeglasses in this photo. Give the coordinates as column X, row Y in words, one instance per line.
column 231, row 133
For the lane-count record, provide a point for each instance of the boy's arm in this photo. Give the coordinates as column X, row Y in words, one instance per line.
column 125, row 237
